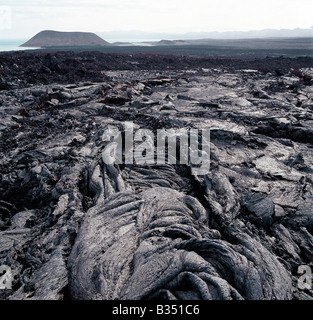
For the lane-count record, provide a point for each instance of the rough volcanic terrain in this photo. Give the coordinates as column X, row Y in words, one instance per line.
column 73, row 227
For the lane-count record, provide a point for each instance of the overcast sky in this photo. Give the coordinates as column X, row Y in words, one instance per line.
column 22, row 19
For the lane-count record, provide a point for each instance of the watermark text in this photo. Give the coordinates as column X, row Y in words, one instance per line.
column 5, row 277
column 5, row 18
column 166, row 146
column 305, row 281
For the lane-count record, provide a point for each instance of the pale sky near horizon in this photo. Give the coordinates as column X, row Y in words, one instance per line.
column 22, row 18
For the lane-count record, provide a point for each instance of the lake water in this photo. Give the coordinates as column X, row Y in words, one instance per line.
column 11, row 44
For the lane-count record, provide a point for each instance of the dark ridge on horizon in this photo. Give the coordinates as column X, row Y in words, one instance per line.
column 50, row 38
column 82, row 41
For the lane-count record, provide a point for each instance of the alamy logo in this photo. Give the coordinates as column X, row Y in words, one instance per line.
column 5, row 277
column 172, row 146
column 5, row 17
column 305, row 281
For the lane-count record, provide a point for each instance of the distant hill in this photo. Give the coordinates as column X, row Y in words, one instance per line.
column 49, row 38
column 258, row 43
